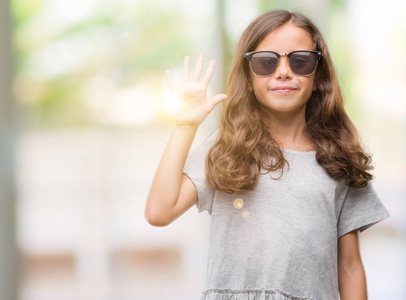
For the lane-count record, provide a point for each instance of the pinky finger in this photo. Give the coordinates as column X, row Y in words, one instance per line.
column 169, row 80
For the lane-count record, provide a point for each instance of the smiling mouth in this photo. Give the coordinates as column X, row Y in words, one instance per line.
column 284, row 91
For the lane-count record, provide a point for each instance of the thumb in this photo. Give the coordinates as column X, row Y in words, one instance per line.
column 216, row 100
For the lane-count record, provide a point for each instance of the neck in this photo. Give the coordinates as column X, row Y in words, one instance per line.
column 290, row 131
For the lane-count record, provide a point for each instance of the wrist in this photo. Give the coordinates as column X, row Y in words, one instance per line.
column 186, row 126
column 184, row 131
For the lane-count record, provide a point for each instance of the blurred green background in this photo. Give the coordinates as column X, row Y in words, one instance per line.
column 77, row 61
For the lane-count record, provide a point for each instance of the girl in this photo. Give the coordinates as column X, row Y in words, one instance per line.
column 284, row 178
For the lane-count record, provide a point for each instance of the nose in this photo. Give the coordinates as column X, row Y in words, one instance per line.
column 283, row 71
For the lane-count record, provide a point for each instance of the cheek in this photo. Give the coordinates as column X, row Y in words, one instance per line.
column 259, row 85
column 310, row 85
column 307, row 89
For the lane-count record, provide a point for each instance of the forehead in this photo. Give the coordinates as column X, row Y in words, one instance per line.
column 286, row 38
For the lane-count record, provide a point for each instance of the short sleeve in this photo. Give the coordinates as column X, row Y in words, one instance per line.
column 195, row 169
column 362, row 208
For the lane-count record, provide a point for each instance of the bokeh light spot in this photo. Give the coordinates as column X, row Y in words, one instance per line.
column 245, row 214
column 238, row 203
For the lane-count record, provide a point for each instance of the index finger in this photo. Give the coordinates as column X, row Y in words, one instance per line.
column 209, row 72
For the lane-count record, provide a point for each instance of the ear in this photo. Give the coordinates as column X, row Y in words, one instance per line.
column 249, row 84
column 250, row 88
column 314, row 85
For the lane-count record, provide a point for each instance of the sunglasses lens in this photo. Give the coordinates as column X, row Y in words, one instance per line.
column 263, row 63
column 303, row 63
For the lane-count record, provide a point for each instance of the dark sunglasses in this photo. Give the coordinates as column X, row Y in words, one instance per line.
column 301, row 62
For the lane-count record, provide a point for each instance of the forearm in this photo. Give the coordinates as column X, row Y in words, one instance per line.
column 352, row 283
column 165, row 186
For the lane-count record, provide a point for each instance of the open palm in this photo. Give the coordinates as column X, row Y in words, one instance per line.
column 193, row 93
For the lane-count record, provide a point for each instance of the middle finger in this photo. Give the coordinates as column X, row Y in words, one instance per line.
column 198, row 69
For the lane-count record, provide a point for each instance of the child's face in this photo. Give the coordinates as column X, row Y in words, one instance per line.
column 284, row 40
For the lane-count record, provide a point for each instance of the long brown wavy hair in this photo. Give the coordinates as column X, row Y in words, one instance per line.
column 245, row 143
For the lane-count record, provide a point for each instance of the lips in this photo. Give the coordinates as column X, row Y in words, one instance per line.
column 282, row 88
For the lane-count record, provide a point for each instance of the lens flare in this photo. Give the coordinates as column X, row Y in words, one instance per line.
column 238, row 203
column 245, row 214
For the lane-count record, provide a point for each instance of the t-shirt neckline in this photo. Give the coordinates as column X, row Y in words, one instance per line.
column 299, row 152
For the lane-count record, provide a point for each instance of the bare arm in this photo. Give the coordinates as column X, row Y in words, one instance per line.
column 351, row 273
column 172, row 193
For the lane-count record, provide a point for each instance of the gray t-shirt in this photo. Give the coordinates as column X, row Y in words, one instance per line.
column 280, row 241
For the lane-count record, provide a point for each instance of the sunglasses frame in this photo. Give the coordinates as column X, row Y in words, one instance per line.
column 249, row 55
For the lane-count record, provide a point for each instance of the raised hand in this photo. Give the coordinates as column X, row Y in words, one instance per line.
column 192, row 92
